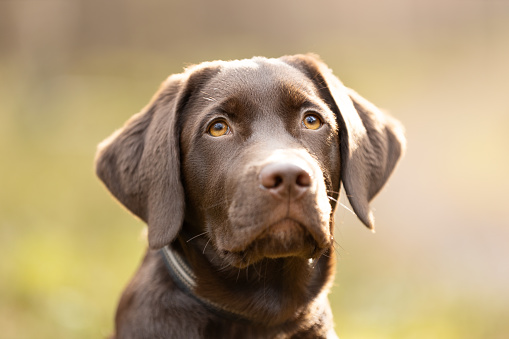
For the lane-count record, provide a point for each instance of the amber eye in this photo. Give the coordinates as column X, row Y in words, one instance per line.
column 219, row 128
column 312, row 121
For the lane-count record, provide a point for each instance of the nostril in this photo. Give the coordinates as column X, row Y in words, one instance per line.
column 270, row 179
column 303, row 179
column 283, row 178
column 278, row 180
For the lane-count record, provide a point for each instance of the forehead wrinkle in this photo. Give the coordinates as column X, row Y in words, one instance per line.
column 236, row 104
column 293, row 95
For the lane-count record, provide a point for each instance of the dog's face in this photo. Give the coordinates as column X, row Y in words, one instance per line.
column 251, row 152
column 260, row 159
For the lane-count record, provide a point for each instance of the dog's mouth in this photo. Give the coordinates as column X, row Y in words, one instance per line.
column 285, row 238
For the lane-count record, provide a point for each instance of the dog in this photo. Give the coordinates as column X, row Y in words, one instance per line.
column 236, row 167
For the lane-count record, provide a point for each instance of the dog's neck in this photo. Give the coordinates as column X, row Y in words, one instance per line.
column 271, row 291
column 185, row 279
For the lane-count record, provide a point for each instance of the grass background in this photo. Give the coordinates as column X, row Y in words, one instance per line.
column 71, row 72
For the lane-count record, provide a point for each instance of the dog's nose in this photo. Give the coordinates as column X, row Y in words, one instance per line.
column 285, row 180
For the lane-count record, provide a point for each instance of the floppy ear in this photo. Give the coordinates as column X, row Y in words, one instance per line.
column 371, row 141
column 140, row 163
column 371, row 156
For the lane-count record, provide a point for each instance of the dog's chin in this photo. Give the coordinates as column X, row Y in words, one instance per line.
column 286, row 238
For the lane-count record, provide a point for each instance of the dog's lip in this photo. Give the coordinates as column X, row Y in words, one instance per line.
column 279, row 227
column 284, row 238
column 282, row 227
column 290, row 225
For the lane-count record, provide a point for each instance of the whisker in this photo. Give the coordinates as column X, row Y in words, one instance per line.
column 264, row 284
column 218, row 204
column 335, row 242
column 342, row 205
column 257, row 272
column 196, row 236
column 206, row 246
column 247, row 271
column 223, row 269
column 337, row 247
column 238, row 275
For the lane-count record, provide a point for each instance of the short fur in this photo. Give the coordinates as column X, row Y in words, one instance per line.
column 252, row 210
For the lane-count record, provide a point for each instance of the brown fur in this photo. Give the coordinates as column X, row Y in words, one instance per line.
column 251, row 209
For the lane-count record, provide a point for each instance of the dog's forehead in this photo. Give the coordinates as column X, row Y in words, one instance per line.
column 256, row 93
column 258, row 78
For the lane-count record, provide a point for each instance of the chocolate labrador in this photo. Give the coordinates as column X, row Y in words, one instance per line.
column 236, row 168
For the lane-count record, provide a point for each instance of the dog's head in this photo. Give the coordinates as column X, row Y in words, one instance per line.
column 252, row 152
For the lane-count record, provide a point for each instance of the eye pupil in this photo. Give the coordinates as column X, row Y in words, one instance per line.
column 312, row 122
column 218, row 126
column 218, row 129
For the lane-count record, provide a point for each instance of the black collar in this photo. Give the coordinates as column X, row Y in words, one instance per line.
column 184, row 277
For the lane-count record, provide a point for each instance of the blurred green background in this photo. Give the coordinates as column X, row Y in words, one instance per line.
column 72, row 71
